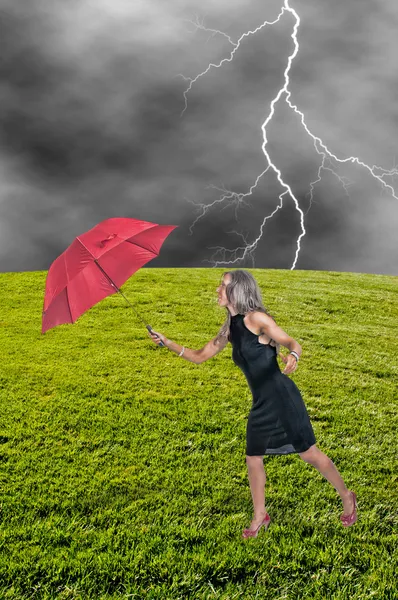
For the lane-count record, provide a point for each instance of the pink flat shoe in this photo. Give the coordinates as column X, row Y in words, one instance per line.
column 348, row 520
column 254, row 532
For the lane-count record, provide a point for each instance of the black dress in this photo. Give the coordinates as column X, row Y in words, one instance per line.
column 278, row 422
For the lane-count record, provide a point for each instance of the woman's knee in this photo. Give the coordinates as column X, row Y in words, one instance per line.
column 313, row 455
column 254, row 459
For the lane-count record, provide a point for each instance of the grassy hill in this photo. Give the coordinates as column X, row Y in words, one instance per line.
column 123, row 469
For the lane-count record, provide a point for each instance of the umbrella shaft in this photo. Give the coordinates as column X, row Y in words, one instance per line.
column 115, row 286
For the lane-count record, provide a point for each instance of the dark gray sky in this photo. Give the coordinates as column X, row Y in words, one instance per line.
column 91, row 128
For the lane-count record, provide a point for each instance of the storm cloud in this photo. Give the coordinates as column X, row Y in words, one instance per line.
column 91, row 128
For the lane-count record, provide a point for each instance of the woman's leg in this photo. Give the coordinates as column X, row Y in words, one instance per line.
column 327, row 468
column 257, row 478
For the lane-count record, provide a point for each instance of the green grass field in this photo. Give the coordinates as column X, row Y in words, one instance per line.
column 123, row 470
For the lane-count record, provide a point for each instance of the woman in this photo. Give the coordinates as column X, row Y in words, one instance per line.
column 278, row 422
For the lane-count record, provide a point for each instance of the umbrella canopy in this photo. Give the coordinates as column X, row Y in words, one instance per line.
column 87, row 270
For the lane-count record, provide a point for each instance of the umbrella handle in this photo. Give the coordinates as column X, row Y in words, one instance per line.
column 150, row 329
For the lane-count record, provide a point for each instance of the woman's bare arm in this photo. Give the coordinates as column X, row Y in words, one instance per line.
column 269, row 327
column 211, row 349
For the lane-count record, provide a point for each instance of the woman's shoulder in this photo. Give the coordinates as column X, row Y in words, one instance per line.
column 256, row 312
column 258, row 316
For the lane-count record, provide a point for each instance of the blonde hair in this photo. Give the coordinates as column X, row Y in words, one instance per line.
column 245, row 295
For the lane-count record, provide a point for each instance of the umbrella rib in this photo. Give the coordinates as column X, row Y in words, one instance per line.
column 143, row 247
column 68, row 303
column 85, row 247
column 67, row 295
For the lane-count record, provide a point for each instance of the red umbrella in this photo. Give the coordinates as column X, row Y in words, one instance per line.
column 96, row 264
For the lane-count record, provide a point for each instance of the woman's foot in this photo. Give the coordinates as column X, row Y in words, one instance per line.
column 257, row 519
column 262, row 520
column 348, row 503
column 349, row 517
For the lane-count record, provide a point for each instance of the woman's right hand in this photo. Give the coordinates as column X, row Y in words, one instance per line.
column 157, row 337
column 282, row 357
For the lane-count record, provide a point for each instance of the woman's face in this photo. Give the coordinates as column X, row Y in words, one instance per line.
column 222, row 296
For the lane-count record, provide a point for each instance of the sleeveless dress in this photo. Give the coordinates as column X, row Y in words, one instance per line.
column 278, row 422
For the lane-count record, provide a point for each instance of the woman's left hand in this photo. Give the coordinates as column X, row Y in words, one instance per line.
column 291, row 363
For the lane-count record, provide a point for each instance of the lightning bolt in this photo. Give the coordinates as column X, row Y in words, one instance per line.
column 328, row 159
